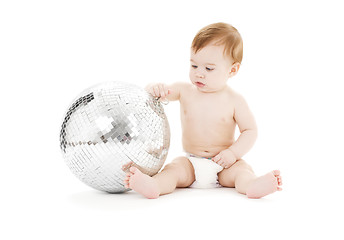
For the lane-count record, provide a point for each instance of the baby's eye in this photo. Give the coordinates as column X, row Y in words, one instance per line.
column 194, row 66
column 209, row 69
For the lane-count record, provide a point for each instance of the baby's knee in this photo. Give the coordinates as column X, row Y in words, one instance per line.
column 172, row 166
column 185, row 171
column 242, row 165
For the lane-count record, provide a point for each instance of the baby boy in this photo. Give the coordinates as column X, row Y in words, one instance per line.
column 210, row 111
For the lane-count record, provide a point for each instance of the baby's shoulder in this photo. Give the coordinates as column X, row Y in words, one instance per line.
column 232, row 93
column 235, row 96
column 179, row 85
column 183, row 87
column 178, row 89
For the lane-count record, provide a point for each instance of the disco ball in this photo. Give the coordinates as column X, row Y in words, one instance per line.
column 110, row 125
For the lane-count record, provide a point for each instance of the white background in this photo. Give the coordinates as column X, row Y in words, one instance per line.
column 291, row 77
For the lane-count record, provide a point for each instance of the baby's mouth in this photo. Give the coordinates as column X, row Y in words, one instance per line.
column 199, row 84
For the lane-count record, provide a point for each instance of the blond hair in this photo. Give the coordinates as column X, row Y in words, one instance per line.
column 220, row 34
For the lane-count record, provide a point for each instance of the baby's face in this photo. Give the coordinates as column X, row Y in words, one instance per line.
column 210, row 69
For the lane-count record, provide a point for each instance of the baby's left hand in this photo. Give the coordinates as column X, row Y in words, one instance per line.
column 225, row 158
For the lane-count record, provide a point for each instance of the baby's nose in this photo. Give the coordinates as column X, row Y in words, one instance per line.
column 199, row 75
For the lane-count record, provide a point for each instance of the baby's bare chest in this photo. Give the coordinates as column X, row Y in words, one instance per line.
column 207, row 111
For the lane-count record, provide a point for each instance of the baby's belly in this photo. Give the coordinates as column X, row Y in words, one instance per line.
column 207, row 135
column 205, row 147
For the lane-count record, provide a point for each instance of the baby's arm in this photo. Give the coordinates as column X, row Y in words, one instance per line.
column 247, row 126
column 170, row 92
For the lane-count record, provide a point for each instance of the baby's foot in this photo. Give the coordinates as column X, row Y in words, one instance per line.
column 141, row 183
column 264, row 185
column 126, row 166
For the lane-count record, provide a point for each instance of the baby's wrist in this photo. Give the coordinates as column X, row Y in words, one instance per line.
column 233, row 153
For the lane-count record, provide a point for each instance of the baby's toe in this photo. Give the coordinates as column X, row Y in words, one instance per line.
column 132, row 170
column 126, row 166
column 279, row 180
column 276, row 173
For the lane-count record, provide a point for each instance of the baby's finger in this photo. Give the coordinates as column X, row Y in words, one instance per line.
column 221, row 163
column 216, row 158
column 156, row 91
column 162, row 91
column 166, row 90
column 150, row 90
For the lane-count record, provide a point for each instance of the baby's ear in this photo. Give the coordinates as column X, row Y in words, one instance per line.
column 234, row 69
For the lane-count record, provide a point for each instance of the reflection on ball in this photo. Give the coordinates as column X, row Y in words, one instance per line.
column 110, row 125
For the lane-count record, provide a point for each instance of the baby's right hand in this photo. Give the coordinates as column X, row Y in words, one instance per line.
column 159, row 90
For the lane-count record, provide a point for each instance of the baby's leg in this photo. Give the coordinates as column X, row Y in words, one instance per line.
column 240, row 175
column 179, row 173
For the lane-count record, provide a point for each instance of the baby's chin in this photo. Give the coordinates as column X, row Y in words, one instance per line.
column 206, row 89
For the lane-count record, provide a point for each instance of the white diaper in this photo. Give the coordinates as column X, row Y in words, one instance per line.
column 205, row 172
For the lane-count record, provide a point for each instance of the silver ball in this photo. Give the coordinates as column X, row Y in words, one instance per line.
column 110, row 125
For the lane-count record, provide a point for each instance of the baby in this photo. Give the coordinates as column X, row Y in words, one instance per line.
column 209, row 112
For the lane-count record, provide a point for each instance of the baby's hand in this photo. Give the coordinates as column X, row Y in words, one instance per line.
column 158, row 90
column 225, row 158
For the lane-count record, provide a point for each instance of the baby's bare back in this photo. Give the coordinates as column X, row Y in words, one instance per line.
column 207, row 121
